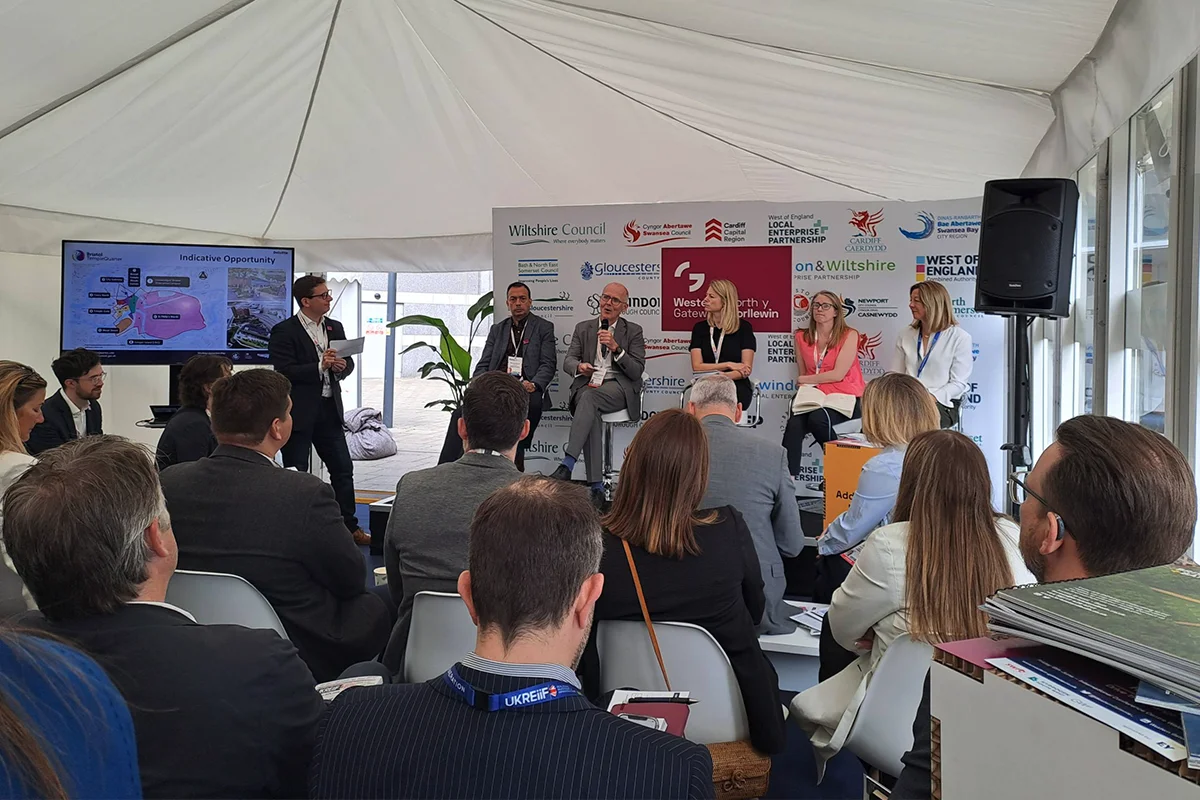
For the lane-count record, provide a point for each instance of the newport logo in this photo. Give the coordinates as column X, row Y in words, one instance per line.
column 525, row 233
column 927, row 223
column 537, row 270
column 870, row 308
column 636, row 269
column 795, row 229
column 696, row 278
column 649, row 234
column 728, row 232
column 944, row 268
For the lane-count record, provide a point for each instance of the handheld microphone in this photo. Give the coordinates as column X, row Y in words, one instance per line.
column 603, row 327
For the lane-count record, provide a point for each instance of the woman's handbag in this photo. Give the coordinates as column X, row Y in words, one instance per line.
column 739, row 771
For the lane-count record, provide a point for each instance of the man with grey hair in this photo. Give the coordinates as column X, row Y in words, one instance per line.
column 509, row 719
column 740, row 474
column 218, row 710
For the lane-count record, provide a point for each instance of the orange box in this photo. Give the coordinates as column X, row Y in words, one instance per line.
column 844, row 461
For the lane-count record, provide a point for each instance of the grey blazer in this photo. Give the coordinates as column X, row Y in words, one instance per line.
column 426, row 545
column 751, row 474
column 538, row 352
column 627, row 368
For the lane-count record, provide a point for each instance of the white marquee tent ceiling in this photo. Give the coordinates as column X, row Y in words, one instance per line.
column 352, row 120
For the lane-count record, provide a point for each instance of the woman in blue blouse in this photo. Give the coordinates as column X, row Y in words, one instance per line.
column 64, row 729
column 895, row 408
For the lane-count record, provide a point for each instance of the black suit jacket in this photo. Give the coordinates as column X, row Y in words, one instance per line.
column 539, row 351
column 721, row 590
column 282, row 531
column 421, row 741
column 187, row 437
column 293, row 353
column 218, row 710
column 59, row 424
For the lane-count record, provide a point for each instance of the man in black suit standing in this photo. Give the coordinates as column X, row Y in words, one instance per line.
column 509, row 720
column 237, row 511
column 523, row 345
column 218, row 710
column 73, row 411
column 300, row 349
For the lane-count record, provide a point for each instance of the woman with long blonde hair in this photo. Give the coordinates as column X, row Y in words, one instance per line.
column 827, row 358
column 723, row 341
column 22, row 392
column 695, row 565
column 935, row 349
column 924, row 575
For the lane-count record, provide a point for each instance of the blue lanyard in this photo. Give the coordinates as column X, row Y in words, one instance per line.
column 922, row 361
column 522, row 698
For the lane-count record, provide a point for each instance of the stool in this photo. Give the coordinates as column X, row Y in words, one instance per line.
column 607, row 421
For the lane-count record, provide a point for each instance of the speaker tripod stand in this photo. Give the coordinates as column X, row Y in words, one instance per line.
column 1019, row 457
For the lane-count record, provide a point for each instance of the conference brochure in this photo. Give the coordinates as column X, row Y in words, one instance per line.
column 1145, row 623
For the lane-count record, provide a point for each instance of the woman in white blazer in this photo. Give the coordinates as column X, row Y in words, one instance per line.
column 22, row 392
column 935, row 349
column 925, row 575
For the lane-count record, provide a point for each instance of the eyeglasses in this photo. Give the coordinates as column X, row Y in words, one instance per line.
column 823, row 306
column 608, row 298
column 94, row 378
column 1018, row 490
column 326, row 296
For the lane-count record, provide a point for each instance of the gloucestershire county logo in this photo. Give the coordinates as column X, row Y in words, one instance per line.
column 78, row 255
column 696, row 278
column 866, row 222
column 632, row 269
column 712, row 230
column 867, row 344
column 587, row 271
column 927, row 223
column 648, row 234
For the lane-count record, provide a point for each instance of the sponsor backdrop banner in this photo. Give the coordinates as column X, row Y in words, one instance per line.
column 778, row 255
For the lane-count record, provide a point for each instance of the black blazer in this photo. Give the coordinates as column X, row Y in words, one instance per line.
column 59, row 425
column 539, row 351
column 187, row 437
column 420, row 741
column 721, row 590
column 218, row 710
column 282, row 531
column 293, row 353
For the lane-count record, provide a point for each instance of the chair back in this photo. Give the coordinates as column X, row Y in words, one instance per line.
column 695, row 663
column 440, row 634
column 217, row 598
column 882, row 730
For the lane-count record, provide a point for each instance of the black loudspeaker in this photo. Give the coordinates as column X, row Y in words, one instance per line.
column 1026, row 247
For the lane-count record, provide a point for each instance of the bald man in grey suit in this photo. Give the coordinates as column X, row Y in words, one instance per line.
column 741, row 475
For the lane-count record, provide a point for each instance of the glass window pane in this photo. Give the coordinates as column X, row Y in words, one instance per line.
column 1085, row 262
column 1147, row 316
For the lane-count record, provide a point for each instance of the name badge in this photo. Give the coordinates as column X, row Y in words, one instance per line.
column 598, row 377
column 515, row 364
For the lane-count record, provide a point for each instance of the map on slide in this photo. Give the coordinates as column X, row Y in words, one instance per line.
column 159, row 314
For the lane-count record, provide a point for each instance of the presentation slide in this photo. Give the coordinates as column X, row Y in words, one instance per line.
column 162, row 303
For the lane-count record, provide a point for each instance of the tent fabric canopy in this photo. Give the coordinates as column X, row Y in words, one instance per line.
column 381, row 133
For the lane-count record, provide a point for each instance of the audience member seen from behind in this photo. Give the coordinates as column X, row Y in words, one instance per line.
column 1107, row 496
column 237, row 511
column 218, row 710
column 22, row 393
column 188, row 435
column 64, row 728
column 696, row 566
column 74, row 410
column 935, row 349
column 426, row 545
column 925, row 575
column 896, row 408
column 827, row 355
column 724, row 342
column 479, row 730
column 740, row 474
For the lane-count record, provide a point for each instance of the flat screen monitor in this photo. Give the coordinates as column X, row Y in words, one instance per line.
column 137, row 303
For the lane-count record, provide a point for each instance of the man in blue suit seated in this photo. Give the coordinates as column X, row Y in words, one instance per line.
column 509, row 720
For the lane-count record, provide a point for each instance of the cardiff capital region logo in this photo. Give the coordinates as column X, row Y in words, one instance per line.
column 79, row 255
column 927, row 224
column 866, row 222
column 712, row 230
column 867, row 343
column 696, row 278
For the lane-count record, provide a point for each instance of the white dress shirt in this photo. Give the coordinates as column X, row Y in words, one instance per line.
column 79, row 415
column 320, row 339
column 947, row 372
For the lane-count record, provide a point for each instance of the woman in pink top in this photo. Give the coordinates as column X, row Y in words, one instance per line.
column 827, row 355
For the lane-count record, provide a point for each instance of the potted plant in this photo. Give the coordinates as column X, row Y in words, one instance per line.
column 452, row 364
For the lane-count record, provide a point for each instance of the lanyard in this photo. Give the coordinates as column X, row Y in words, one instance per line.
column 512, row 334
column 310, row 327
column 921, row 361
column 483, row 452
column 716, row 343
column 820, row 360
column 522, row 698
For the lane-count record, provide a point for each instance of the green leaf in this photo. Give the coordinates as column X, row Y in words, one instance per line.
column 421, row 319
column 453, row 354
column 417, row 346
column 481, row 308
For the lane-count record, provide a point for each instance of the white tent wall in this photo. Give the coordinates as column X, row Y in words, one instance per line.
column 1143, row 45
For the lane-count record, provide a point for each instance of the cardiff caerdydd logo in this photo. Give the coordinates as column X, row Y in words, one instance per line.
column 696, row 278
column 866, row 222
